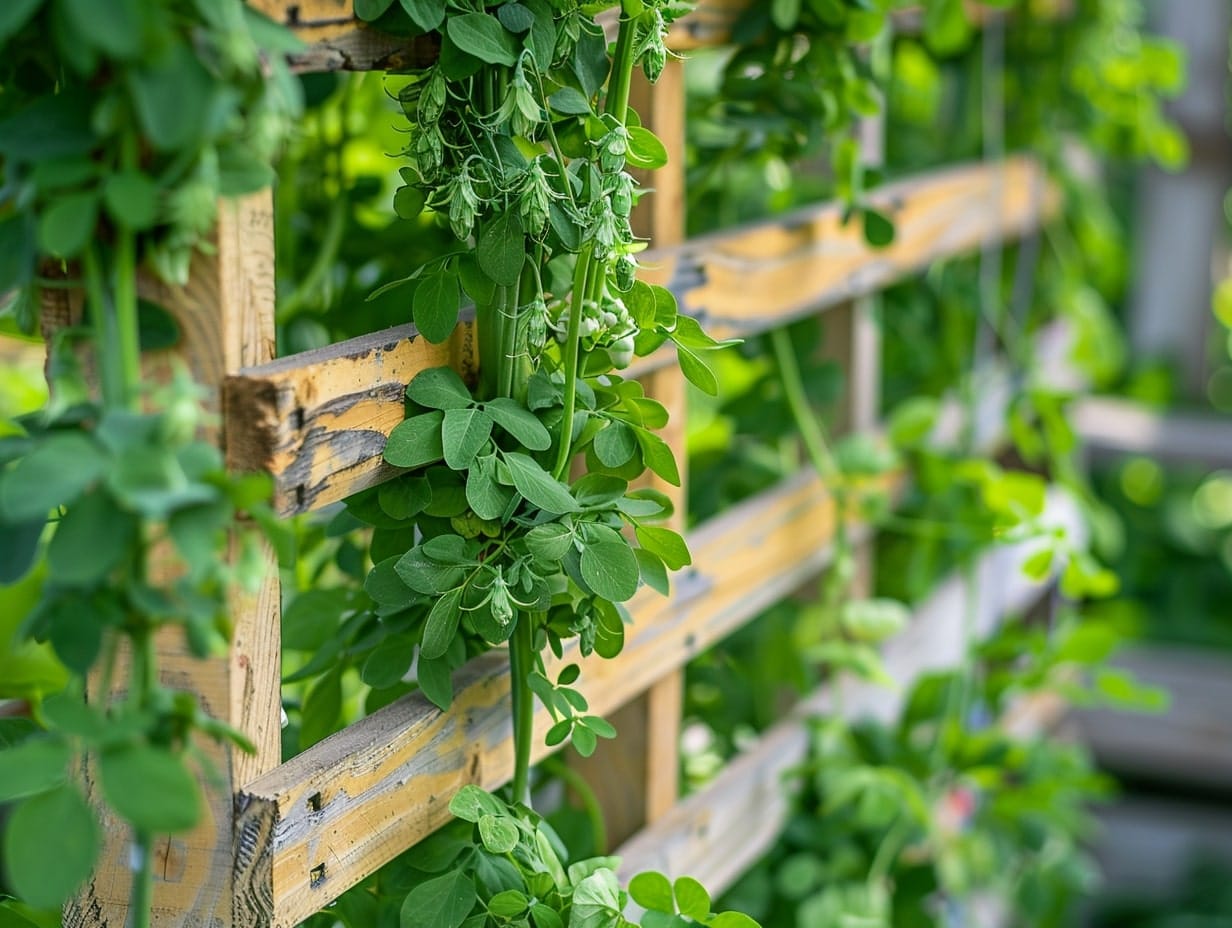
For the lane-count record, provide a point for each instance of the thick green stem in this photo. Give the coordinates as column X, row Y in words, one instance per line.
column 573, row 341
column 617, row 103
column 103, row 319
column 521, row 662
column 142, row 896
column 811, row 432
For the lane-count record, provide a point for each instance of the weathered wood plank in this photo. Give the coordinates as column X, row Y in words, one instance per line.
column 226, row 315
column 360, row 797
column 1191, row 743
column 743, row 810
column 317, row 421
column 1110, row 426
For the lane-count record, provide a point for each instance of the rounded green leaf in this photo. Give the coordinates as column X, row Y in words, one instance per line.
column 50, row 846
column 435, row 306
column 439, row 388
column 652, row 891
column 131, row 199
column 417, row 441
column 519, row 422
column 442, row 624
column 484, row 37
column 32, row 767
column 67, row 225
column 498, row 834
column 610, row 569
column 463, row 435
column 54, row 474
column 442, row 902
column 692, row 898
column 668, row 545
column 500, row 248
column 150, row 788
column 538, row 486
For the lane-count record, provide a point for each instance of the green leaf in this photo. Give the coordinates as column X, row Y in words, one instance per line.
column 417, row 441
column 426, row 14
column 785, row 13
column 596, row 898
column 313, row 617
column 368, row 10
column 569, row 102
column 873, row 620
column 442, row 902
column 509, row 904
column 733, row 920
column 652, row 891
column 548, row 543
column 654, row 573
column 667, row 544
column 172, row 96
column 645, row 149
column 132, row 199
column 435, row 678
column 408, row 202
column 584, row 742
column 68, row 224
column 435, row 306
column 471, row 803
column 463, row 435
column 498, row 834
column 115, row 26
column 91, row 539
column 501, row 244
column 53, row 474
column 405, row 497
column 697, row 370
column 658, row 456
column 50, row 846
column 388, row 662
column 425, row 574
column 615, row 444
column 33, row 766
column 485, row 495
column 878, row 228
column 483, row 36
column 439, row 388
column 53, row 126
column 1039, row 565
column 519, row 422
column 322, row 707
column 692, row 898
column 442, row 624
column 538, row 486
column 14, row 14
column 610, row 569
column 150, row 788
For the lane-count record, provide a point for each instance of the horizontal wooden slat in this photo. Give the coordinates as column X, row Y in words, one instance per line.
column 317, row 421
column 354, row 801
column 744, row 809
column 1191, row 743
column 1115, row 426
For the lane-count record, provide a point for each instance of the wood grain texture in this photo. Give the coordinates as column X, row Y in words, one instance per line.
column 743, row 810
column 1110, row 426
column 226, row 319
column 317, row 421
column 362, row 796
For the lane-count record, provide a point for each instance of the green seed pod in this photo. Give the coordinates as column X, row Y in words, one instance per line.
column 625, row 273
column 432, row 99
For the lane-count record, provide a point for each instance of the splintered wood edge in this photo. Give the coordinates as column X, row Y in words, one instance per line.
column 326, row 819
column 318, row 421
column 745, row 807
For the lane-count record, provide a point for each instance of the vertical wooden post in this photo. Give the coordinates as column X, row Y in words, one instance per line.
column 226, row 316
column 636, row 778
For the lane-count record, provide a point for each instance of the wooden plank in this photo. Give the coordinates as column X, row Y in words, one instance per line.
column 226, row 316
column 1110, row 426
column 317, row 421
column 362, row 796
column 1191, row 743
column 743, row 810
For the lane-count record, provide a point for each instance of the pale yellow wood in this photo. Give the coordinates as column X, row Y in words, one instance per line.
column 318, row 421
column 226, row 316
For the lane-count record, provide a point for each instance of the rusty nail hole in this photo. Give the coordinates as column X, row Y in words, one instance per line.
column 314, row 802
column 293, row 15
column 690, row 641
column 316, row 876
column 297, row 418
column 301, row 495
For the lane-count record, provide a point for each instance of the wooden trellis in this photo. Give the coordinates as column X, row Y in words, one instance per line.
column 282, row 840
